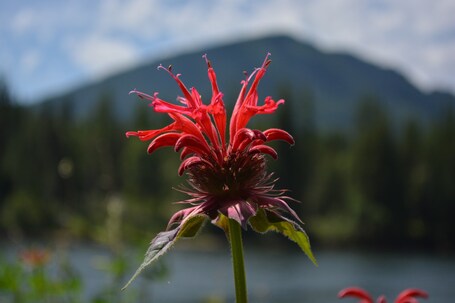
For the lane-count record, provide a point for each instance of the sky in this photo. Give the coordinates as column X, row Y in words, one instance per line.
column 50, row 46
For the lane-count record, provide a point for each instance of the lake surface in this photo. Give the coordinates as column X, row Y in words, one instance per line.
column 277, row 276
column 283, row 277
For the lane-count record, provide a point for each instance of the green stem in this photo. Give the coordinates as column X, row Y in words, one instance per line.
column 235, row 237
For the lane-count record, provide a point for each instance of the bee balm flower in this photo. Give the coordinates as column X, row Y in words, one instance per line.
column 227, row 175
column 409, row 295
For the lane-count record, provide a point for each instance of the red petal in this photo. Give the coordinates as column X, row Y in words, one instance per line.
column 269, row 107
column 278, row 134
column 409, row 293
column 185, row 152
column 161, row 106
column 264, row 149
column 168, row 139
column 182, row 86
column 187, row 163
column 192, row 142
column 186, row 125
column 355, row 292
column 238, row 118
column 145, row 135
column 241, row 135
column 216, row 105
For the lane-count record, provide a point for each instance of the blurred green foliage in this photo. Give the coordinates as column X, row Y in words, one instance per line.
column 379, row 186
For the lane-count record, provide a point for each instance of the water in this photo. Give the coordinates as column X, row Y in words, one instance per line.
column 275, row 277
column 279, row 277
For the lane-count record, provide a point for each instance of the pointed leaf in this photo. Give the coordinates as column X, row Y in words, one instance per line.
column 164, row 240
column 261, row 223
column 159, row 245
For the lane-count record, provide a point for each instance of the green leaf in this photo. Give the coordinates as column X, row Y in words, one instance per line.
column 262, row 223
column 192, row 226
column 222, row 222
column 164, row 240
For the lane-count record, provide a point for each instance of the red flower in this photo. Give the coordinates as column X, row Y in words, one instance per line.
column 35, row 257
column 406, row 296
column 226, row 176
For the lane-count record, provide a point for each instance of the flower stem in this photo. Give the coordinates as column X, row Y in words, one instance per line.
column 235, row 237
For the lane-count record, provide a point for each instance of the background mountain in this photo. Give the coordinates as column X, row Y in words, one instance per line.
column 328, row 86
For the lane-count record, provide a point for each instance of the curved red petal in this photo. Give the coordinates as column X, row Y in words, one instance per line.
column 264, row 149
column 355, row 292
column 259, row 135
column 185, row 153
column 168, row 139
column 409, row 293
column 254, row 138
column 192, row 142
column 278, row 134
column 188, row 162
column 240, row 135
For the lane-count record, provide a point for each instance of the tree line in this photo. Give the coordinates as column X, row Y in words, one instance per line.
column 376, row 187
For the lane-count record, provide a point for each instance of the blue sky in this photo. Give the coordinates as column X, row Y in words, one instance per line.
column 49, row 46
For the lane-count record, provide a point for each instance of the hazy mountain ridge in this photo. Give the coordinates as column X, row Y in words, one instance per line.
column 331, row 84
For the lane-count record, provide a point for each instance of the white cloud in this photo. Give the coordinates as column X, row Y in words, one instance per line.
column 101, row 55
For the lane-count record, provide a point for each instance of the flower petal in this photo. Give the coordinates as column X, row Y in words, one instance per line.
column 185, row 91
column 168, row 139
column 408, row 294
column 278, row 134
column 264, row 149
column 191, row 161
column 216, row 107
column 145, row 135
column 239, row 119
column 161, row 106
column 240, row 212
column 193, row 143
column 355, row 292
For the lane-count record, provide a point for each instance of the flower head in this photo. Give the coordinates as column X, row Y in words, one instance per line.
column 406, row 296
column 227, row 174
